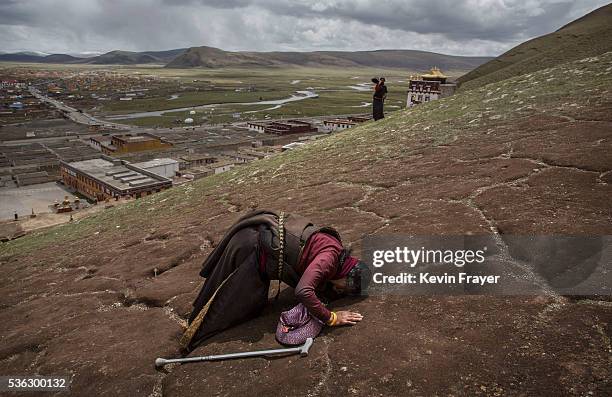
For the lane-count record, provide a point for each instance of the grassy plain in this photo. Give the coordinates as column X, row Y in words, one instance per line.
column 232, row 86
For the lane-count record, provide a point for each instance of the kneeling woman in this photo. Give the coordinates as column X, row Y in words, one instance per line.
column 239, row 270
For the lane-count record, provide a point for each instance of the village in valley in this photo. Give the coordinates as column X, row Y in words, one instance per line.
column 73, row 139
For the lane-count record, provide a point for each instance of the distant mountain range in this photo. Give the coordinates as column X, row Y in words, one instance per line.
column 210, row 57
column 109, row 58
column 588, row 36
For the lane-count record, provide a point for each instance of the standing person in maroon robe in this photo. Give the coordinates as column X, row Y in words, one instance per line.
column 239, row 271
column 378, row 100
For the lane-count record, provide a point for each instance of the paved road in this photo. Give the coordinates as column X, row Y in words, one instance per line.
column 76, row 115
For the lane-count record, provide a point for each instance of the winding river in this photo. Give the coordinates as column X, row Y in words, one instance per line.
column 361, row 87
column 299, row 96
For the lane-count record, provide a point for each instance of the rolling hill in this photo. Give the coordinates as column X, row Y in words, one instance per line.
column 38, row 58
column 587, row 36
column 22, row 57
column 109, row 58
column 209, row 57
column 60, row 58
column 133, row 58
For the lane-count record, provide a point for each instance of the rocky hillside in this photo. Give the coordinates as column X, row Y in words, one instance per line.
column 101, row 298
column 210, row 57
column 587, row 36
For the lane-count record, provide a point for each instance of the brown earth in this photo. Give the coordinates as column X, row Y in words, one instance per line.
column 101, row 298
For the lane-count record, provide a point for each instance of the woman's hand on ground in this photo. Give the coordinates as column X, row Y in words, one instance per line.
column 348, row 318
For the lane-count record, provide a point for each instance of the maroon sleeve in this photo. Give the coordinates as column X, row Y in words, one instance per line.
column 318, row 271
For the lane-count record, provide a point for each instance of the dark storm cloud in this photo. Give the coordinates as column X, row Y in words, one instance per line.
column 496, row 19
column 213, row 3
column 470, row 27
column 12, row 13
column 458, row 20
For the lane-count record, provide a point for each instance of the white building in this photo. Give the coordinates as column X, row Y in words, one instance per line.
column 257, row 127
column 11, row 84
column 339, row 124
column 428, row 87
column 420, row 91
column 164, row 167
column 221, row 166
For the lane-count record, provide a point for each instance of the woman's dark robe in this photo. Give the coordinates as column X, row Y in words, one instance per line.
column 378, row 101
column 236, row 287
column 246, row 286
column 232, row 275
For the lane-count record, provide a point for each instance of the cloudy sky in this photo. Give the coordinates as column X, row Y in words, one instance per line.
column 468, row 27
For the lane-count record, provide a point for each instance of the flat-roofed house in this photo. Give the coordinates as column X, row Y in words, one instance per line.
column 131, row 143
column 257, row 127
column 98, row 142
column 102, row 178
column 259, row 154
column 240, row 157
column 197, row 160
column 221, row 166
column 135, row 143
column 197, row 172
column 164, row 167
column 289, row 127
column 115, row 144
column 339, row 124
column 360, row 119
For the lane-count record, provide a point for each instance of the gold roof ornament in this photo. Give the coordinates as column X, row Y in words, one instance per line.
column 434, row 73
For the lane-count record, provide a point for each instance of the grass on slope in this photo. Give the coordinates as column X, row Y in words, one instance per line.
column 584, row 37
column 435, row 123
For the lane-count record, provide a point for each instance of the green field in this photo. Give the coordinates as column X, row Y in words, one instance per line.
column 231, row 86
